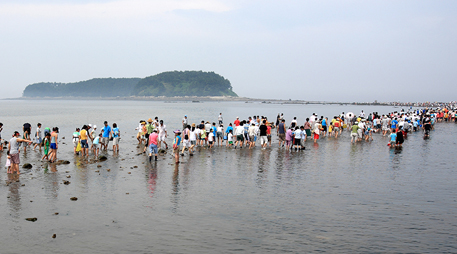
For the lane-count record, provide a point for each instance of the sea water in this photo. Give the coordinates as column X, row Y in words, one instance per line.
column 334, row 197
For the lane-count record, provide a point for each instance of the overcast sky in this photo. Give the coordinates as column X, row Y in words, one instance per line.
column 311, row 50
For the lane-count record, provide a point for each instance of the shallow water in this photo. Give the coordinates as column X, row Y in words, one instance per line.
column 332, row 197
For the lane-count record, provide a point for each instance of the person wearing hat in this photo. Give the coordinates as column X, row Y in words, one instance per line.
column 149, row 128
column 176, row 144
column 153, row 142
column 13, row 149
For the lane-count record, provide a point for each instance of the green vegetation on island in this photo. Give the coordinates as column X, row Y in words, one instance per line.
column 184, row 83
column 97, row 87
column 168, row 84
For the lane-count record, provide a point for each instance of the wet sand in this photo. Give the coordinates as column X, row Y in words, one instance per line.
column 332, row 197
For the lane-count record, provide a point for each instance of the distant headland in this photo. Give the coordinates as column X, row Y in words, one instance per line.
column 165, row 84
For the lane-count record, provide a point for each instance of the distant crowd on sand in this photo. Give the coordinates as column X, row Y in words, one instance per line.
column 241, row 133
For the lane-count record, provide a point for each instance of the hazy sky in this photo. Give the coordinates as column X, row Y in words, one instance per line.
column 310, row 50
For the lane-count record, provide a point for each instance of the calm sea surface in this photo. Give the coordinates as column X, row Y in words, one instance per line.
column 333, row 197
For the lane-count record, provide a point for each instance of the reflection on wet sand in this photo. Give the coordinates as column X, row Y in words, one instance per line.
column 14, row 200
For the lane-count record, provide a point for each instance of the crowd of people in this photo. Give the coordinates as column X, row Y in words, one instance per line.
column 241, row 133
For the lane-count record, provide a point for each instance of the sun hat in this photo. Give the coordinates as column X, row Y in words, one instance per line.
column 95, row 126
column 149, row 120
column 177, row 131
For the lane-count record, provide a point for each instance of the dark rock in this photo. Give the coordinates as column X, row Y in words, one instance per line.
column 68, row 176
column 56, row 213
column 73, row 198
column 162, row 151
column 60, row 162
column 108, row 170
column 102, row 158
column 31, row 219
column 54, row 236
column 63, row 137
column 66, row 182
column 99, row 166
column 135, row 166
column 27, row 166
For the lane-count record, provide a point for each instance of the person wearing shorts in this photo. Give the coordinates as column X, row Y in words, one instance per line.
column 116, row 134
column 13, row 148
column 153, row 142
column 84, row 137
column 106, row 135
column 239, row 135
column 176, row 143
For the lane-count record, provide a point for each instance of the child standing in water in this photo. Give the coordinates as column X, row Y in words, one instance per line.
column 96, row 145
column 46, row 144
column 8, row 163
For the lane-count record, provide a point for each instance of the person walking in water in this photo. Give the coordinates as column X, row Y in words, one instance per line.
column 54, row 144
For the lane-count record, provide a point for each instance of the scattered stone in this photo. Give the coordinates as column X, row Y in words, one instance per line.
column 127, row 193
column 97, row 171
column 135, row 166
column 68, row 176
column 27, row 166
column 108, row 170
column 23, row 184
column 54, row 236
column 129, row 173
column 162, row 151
column 32, row 219
column 99, row 166
column 66, row 182
column 102, row 158
column 60, row 162
column 63, row 143
column 63, row 137
column 73, row 198
column 56, row 213
column 67, row 171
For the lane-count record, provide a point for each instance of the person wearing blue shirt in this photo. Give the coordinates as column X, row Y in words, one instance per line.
column 116, row 135
column 230, row 127
column 176, row 143
column 214, row 129
column 324, row 126
column 106, row 135
column 394, row 123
